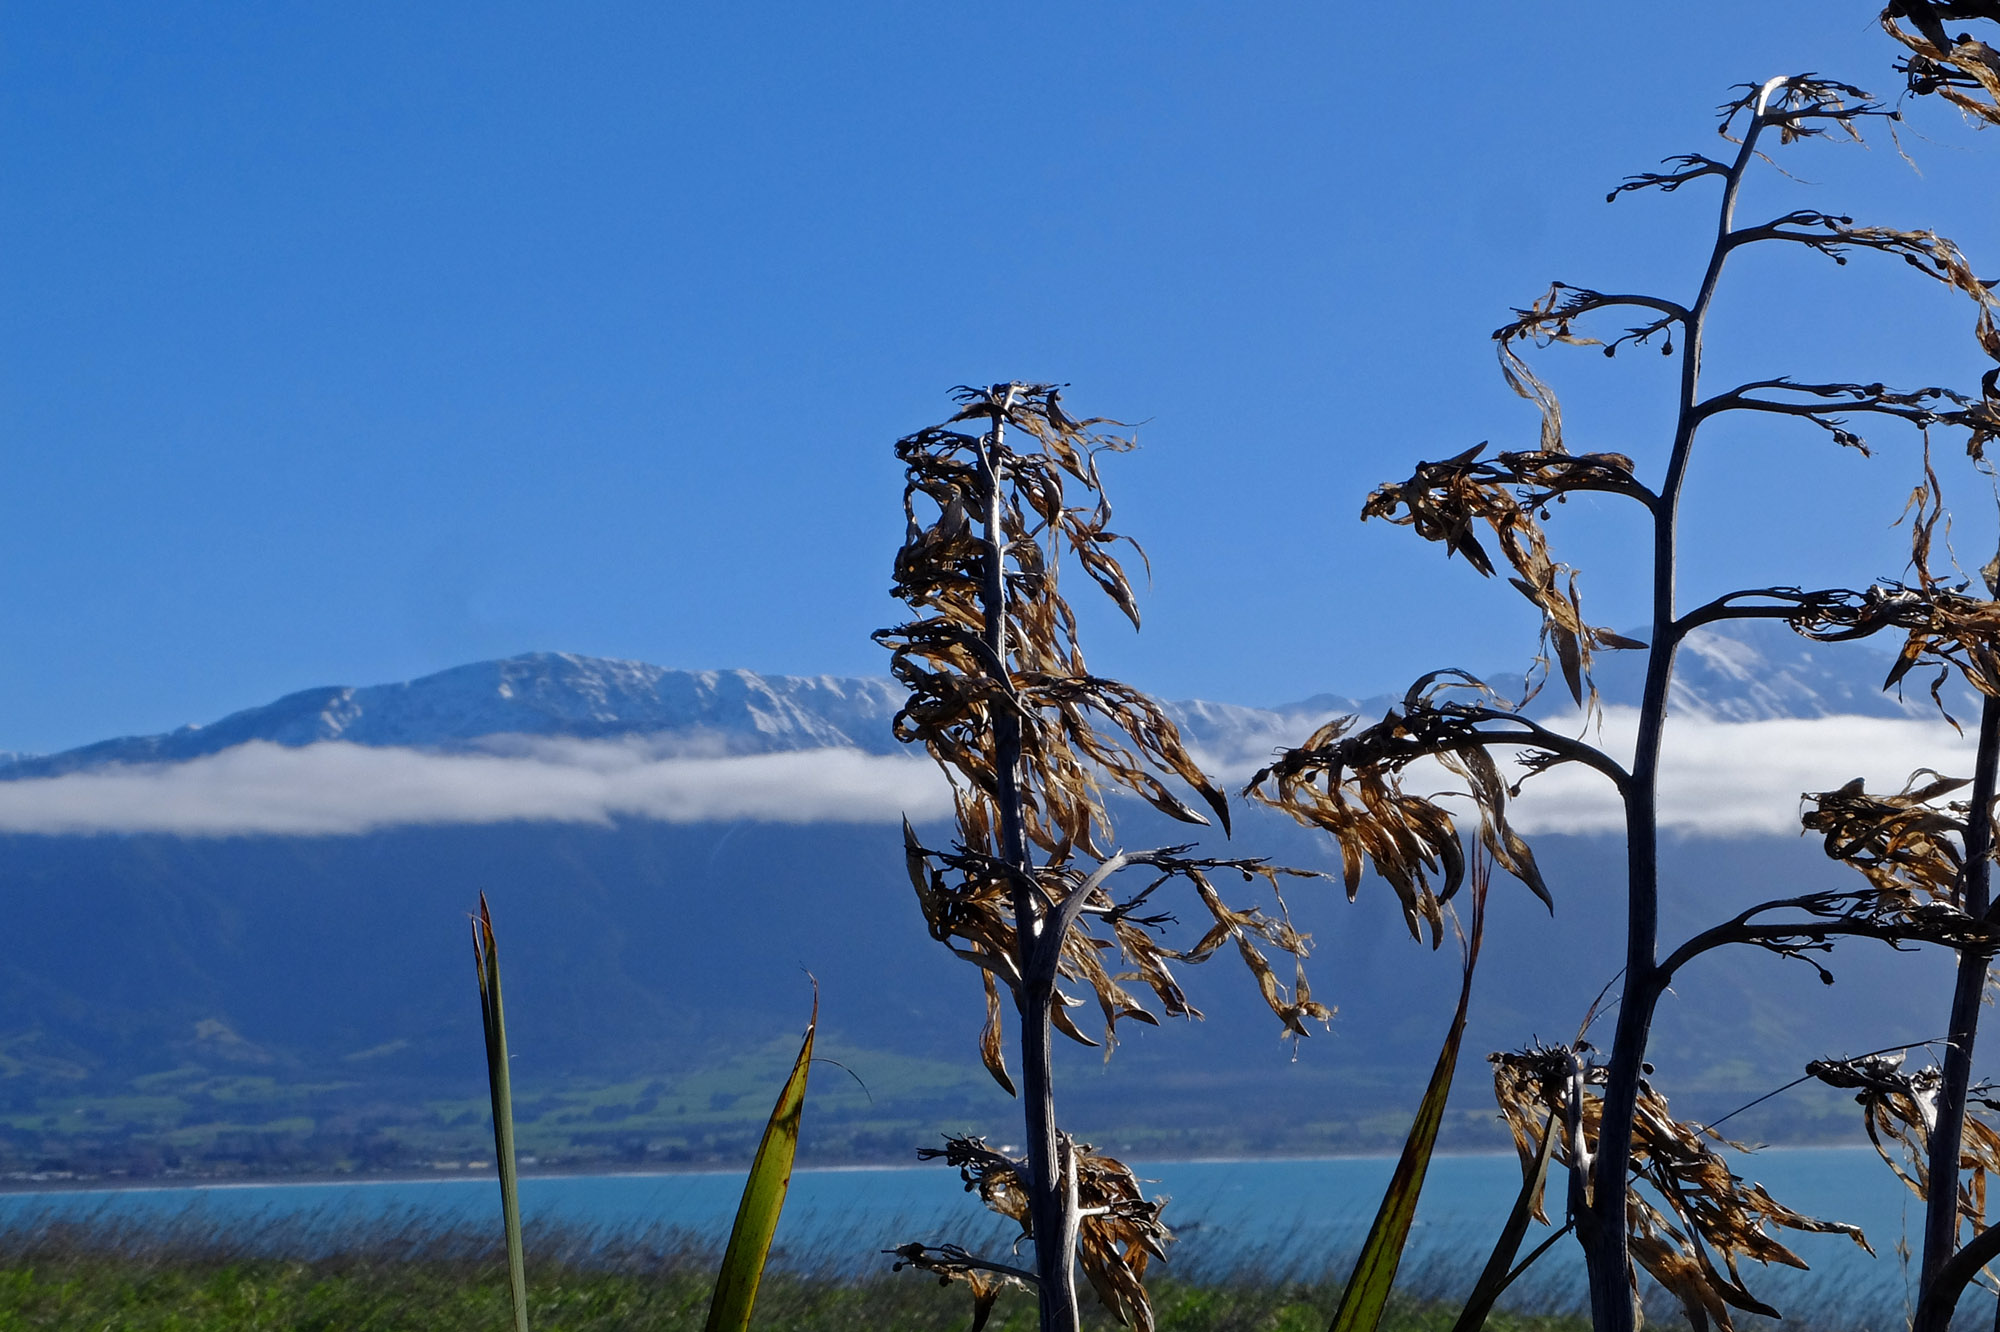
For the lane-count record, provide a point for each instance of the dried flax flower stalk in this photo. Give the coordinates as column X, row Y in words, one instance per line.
column 1355, row 781
column 1032, row 890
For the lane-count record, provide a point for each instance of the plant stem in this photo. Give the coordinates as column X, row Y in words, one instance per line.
column 1603, row 1232
column 1052, row 1219
column 1941, row 1220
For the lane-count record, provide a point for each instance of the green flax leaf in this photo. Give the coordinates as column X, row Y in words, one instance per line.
column 1367, row 1292
column 1500, row 1270
column 763, row 1199
column 486, row 963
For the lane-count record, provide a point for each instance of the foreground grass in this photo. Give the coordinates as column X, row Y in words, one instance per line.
column 61, row 1276
column 442, row 1298
column 411, row 1274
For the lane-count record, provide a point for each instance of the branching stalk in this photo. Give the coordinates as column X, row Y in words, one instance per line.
column 1032, row 742
column 1054, row 1220
column 1604, row 1234
column 1617, row 1132
column 1941, row 1211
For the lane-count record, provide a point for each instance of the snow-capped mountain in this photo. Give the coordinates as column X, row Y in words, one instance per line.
column 1745, row 672
column 1759, row 670
column 539, row 694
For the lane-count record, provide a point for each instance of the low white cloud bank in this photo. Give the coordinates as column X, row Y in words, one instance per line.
column 1719, row 779
column 1739, row 779
column 334, row 787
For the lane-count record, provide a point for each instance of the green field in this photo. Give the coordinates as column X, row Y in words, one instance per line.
column 201, row 1120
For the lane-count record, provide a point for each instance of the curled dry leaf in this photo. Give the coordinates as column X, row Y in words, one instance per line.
column 1942, row 626
column 952, row 1263
column 1448, row 501
column 1956, row 66
column 1118, row 1235
column 967, row 902
column 1899, row 1108
column 1705, row 1210
column 1907, row 845
column 1351, row 787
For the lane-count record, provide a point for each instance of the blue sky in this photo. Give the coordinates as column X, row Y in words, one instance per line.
column 348, row 344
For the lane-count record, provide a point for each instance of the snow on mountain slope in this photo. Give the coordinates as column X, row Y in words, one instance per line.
column 1759, row 670
column 1753, row 671
column 1233, row 741
column 540, row 694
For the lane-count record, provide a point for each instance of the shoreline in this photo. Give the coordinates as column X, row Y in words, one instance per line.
column 12, row 1188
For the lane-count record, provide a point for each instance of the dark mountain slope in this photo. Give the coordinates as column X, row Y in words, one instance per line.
column 335, row 969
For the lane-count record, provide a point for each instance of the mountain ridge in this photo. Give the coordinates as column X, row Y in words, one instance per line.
column 1749, row 671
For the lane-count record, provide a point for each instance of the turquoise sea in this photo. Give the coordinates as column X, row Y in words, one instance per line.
column 1277, row 1217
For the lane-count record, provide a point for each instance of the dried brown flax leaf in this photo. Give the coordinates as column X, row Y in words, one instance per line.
column 992, row 1049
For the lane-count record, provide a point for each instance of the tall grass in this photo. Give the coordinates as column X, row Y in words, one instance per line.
column 195, row 1274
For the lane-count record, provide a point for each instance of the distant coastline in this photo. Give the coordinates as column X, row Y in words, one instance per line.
column 17, row 1187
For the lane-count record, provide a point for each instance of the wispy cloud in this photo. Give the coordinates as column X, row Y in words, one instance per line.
column 1720, row 779
column 1738, row 779
column 335, row 788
